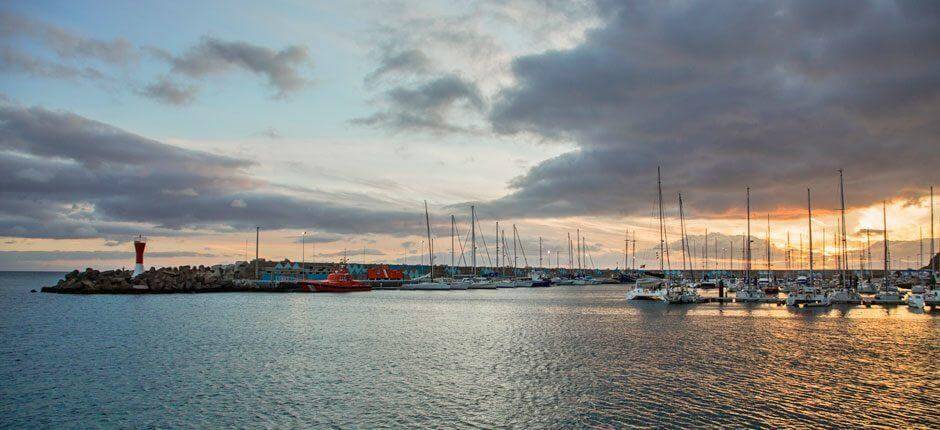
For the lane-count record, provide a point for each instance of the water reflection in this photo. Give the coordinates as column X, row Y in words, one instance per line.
column 528, row 358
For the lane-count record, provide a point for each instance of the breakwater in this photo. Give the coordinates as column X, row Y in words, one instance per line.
column 183, row 279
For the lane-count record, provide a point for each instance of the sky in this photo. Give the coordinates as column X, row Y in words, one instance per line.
column 329, row 124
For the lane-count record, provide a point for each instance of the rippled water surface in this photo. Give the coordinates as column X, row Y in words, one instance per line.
column 525, row 358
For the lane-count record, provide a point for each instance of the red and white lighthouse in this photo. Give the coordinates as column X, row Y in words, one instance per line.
column 139, row 246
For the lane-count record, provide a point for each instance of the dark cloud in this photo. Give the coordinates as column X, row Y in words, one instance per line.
column 8, row 258
column 775, row 95
column 15, row 61
column 167, row 91
column 214, row 56
column 66, row 176
column 64, row 43
column 351, row 253
column 427, row 106
column 407, row 62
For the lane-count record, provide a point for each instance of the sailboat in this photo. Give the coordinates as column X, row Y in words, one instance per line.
column 929, row 294
column 888, row 293
column 652, row 287
column 845, row 294
column 684, row 292
column 807, row 292
column 428, row 282
column 749, row 292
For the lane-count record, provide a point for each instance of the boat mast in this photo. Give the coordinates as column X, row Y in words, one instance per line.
column 933, row 260
column 706, row 252
column 540, row 253
column 662, row 237
column 497, row 248
column 868, row 252
column 747, row 264
column 685, row 240
column 473, row 240
column 731, row 257
column 770, row 274
column 626, row 248
column 427, row 220
column 515, row 257
column 453, row 264
column 633, row 249
column 844, row 262
column 809, row 211
column 570, row 261
column 884, row 218
column 578, row 239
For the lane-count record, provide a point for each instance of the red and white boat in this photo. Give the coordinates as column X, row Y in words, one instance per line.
column 340, row 281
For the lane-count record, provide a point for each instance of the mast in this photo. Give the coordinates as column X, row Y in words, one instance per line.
column 540, row 253
column 884, row 215
column 685, row 240
column 497, row 248
column 626, row 248
column 515, row 257
column 706, row 252
column 769, row 270
column 453, row 264
column 257, row 244
column 933, row 260
column 868, row 251
column 473, row 240
column 578, row 239
column 747, row 264
column 809, row 211
column 570, row 257
column 633, row 249
column 662, row 237
column 731, row 257
column 427, row 220
column 843, row 263
column 920, row 257
column 787, row 255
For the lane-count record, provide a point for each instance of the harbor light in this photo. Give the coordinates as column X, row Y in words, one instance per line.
column 139, row 246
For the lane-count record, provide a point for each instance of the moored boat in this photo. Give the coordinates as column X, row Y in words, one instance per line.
column 340, row 281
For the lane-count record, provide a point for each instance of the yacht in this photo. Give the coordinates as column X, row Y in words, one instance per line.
column 887, row 294
column 808, row 295
column 679, row 294
column 505, row 283
column 844, row 295
column 459, row 284
column 916, row 298
column 522, row 282
column 867, row 287
column 750, row 293
column 482, row 284
column 648, row 288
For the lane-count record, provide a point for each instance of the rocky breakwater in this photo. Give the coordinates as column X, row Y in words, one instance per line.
column 183, row 279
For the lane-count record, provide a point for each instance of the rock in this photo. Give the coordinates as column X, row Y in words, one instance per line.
column 32, row 291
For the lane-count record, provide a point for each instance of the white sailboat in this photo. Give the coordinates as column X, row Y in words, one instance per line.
column 845, row 294
column 684, row 292
column 428, row 283
column 653, row 288
column 888, row 293
column 807, row 292
column 749, row 292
